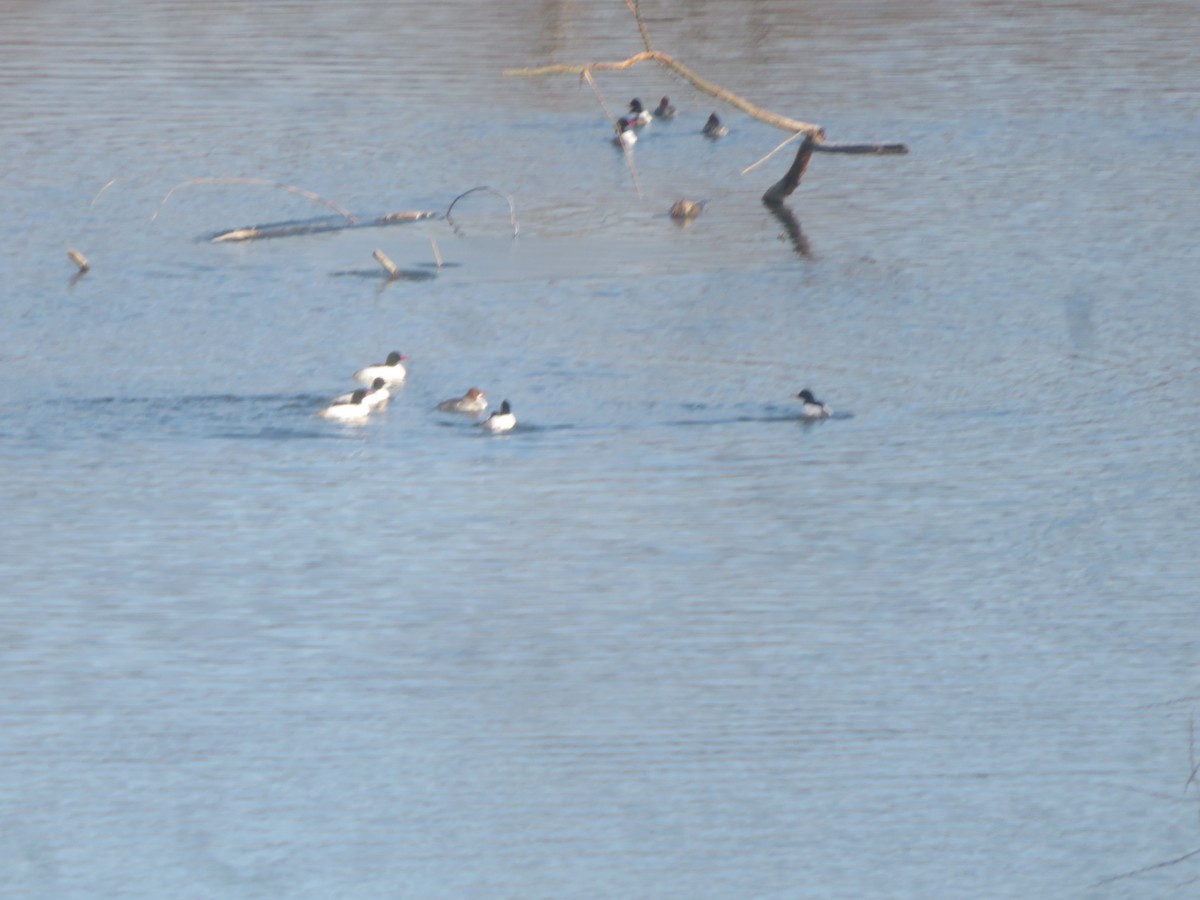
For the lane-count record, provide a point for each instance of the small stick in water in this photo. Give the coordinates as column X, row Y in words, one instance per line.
column 437, row 254
column 389, row 266
column 79, row 259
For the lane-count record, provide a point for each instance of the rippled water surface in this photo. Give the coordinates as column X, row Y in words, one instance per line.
column 664, row 639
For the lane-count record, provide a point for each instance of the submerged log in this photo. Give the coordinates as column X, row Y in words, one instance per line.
column 864, row 149
column 785, row 185
column 315, row 226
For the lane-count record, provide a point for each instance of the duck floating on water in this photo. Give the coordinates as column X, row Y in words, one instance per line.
column 473, row 401
column 687, row 209
column 813, row 408
column 664, row 110
column 626, row 137
column 392, row 371
column 501, row 420
column 713, row 127
column 639, row 116
column 352, row 410
column 377, row 396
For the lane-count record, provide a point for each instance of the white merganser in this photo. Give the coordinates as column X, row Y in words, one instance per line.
column 376, row 398
column 473, row 401
column 813, row 408
column 353, row 410
column 625, row 138
column 392, row 371
column 501, row 420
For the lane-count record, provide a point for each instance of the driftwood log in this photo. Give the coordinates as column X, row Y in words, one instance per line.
column 315, row 226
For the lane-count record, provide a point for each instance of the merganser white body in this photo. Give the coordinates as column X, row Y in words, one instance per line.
column 376, row 398
column 501, row 420
column 813, row 408
column 392, row 371
column 353, row 410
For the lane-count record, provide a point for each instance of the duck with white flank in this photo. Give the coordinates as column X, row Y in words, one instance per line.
column 392, row 371
column 664, row 110
column 638, row 115
column 713, row 127
column 501, row 420
column 626, row 137
column 813, row 408
column 352, row 410
column 377, row 396
column 473, row 401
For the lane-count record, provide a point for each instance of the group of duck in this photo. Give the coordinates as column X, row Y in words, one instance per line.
column 381, row 378
column 640, row 117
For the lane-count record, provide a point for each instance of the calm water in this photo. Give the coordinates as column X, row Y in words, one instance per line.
column 663, row 640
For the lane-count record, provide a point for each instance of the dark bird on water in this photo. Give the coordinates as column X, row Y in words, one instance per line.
column 713, row 127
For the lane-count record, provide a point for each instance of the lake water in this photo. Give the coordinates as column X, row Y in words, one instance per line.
column 664, row 639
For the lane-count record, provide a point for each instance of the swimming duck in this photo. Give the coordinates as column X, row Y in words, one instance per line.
column 376, row 397
column 501, row 420
column 638, row 116
column 687, row 209
column 664, row 110
column 713, row 127
column 813, row 408
column 392, row 371
column 625, row 138
column 473, row 401
column 352, row 410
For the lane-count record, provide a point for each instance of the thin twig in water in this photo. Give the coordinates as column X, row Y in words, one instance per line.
column 637, row 182
column 512, row 209
column 608, row 113
column 256, row 181
column 1191, row 751
column 111, row 182
column 753, row 166
column 635, row 8
column 437, row 254
column 1143, row 871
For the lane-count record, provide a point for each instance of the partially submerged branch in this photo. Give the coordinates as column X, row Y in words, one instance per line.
column 291, row 229
column 785, row 185
column 864, row 149
column 512, row 209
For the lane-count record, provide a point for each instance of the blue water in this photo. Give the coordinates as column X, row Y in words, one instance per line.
column 664, row 639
